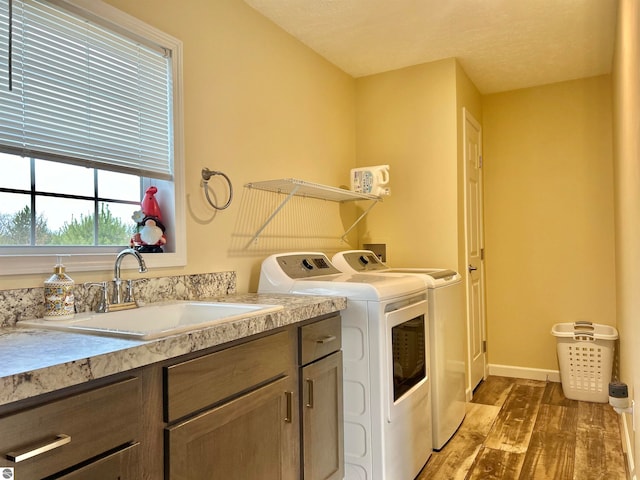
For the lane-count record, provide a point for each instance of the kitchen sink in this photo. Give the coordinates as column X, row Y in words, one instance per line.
column 156, row 320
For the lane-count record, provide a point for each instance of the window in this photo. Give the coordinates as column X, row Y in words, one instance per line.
column 90, row 116
column 48, row 203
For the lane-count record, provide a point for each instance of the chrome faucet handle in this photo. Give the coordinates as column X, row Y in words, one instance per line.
column 103, row 301
column 116, row 297
column 129, row 296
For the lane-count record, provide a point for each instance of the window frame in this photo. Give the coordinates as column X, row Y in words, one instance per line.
column 41, row 259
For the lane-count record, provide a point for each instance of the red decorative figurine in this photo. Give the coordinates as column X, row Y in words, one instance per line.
column 150, row 237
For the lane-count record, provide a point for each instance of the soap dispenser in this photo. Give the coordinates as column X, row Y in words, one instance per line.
column 59, row 303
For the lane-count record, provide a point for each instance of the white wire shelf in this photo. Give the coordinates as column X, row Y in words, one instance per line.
column 300, row 188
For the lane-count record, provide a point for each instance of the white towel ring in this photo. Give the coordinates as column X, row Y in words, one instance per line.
column 206, row 175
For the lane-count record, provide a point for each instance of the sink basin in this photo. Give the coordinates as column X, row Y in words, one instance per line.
column 156, row 320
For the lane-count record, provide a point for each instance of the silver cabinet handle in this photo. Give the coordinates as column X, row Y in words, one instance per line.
column 289, row 399
column 310, row 391
column 326, row 339
column 38, row 449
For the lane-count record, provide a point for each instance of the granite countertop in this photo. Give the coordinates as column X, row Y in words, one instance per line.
column 35, row 361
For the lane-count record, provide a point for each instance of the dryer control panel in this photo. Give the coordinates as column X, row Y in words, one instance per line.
column 359, row 261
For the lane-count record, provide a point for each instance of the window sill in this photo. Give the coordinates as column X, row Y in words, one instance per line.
column 31, row 264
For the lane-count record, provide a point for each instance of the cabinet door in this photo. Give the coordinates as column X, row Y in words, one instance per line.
column 251, row 437
column 322, row 419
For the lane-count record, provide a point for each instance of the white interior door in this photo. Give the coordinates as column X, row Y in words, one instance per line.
column 476, row 335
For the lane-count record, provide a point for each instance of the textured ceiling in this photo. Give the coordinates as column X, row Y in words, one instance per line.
column 501, row 44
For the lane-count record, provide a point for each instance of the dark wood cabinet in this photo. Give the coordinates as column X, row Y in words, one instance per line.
column 321, row 400
column 265, row 407
column 322, row 419
column 244, row 422
column 78, row 430
column 123, row 464
column 251, row 436
column 209, row 379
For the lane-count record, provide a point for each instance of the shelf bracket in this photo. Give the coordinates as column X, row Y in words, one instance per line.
column 364, row 214
column 272, row 216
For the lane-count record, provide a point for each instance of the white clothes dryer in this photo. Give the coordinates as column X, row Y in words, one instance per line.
column 386, row 384
column 446, row 333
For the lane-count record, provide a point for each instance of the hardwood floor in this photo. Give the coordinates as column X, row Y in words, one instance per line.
column 519, row 429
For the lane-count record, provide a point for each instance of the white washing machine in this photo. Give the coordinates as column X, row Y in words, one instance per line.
column 386, row 384
column 447, row 336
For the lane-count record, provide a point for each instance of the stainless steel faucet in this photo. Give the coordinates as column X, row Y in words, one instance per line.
column 117, row 281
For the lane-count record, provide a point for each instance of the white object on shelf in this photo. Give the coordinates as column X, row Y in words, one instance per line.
column 373, row 180
column 294, row 187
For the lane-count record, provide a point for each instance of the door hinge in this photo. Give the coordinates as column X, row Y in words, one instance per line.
column 482, row 254
column 480, row 161
column 484, row 346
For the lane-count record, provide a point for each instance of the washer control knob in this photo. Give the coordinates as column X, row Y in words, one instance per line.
column 363, row 260
column 307, row 264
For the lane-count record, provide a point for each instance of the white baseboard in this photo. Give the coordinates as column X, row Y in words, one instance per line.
column 628, row 445
column 518, row 372
column 524, row 372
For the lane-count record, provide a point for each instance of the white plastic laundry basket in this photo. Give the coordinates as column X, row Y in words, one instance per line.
column 585, row 354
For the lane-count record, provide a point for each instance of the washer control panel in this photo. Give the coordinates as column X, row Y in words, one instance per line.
column 304, row 265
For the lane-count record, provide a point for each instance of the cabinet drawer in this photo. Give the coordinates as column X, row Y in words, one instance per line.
column 319, row 339
column 46, row 439
column 123, row 464
column 204, row 381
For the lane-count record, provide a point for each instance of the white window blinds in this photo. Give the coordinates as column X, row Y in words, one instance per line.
column 82, row 93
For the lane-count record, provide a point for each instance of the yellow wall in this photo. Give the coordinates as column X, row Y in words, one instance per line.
column 549, row 231
column 627, row 180
column 407, row 118
column 258, row 105
column 412, row 119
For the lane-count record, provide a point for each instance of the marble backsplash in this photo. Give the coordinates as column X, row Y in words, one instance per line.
column 28, row 303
